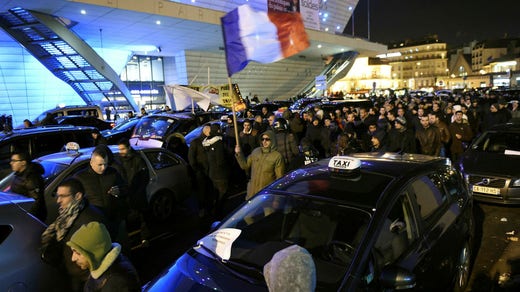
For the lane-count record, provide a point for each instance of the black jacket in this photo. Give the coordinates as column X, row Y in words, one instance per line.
column 30, row 184
column 137, row 178
column 121, row 276
column 97, row 188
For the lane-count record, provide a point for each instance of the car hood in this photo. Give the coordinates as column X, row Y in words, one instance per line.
column 490, row 163
column 196, row 272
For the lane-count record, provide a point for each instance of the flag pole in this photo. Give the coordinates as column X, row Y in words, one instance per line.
column 235, row 124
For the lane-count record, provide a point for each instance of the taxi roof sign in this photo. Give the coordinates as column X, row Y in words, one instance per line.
column 72, row 147
column 344, row 164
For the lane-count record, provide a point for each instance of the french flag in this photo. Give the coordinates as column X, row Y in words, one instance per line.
column 251, row 35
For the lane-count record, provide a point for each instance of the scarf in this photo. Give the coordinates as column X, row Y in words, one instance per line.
column 59, row 228
column 210, row 141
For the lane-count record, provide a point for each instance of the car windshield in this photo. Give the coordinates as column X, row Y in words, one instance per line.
column 329, row 231
column 125, row 125
column 152, row 127
column 498, row 142
column 52, row 170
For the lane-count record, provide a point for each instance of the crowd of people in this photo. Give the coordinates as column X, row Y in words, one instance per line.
column 270, row 145
column 94, row 204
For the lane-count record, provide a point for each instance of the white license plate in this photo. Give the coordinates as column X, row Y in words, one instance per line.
column 486, row 190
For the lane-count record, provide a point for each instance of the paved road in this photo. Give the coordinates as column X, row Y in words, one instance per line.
column 498, row 252
column 497, row 249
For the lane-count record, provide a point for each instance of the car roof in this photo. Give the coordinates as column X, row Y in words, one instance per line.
column 509, row 127
column 363, row 189
column 43, row 129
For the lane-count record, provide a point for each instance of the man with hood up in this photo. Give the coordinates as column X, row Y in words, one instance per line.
column 93, row 250
column 265, row 163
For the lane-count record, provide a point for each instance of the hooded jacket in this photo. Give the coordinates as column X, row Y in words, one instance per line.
column 265, row 165
column 290, row 269
column 109, row 269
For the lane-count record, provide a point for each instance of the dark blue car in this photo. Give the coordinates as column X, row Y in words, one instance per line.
column 371, row 222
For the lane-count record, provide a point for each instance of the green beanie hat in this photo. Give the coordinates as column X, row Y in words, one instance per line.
column 93, row 242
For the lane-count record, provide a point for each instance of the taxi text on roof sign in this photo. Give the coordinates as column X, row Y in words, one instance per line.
column 342, row 163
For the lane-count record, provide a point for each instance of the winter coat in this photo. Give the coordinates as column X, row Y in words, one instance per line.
column 429, row 140
column 116, row 273
column 287, row 145
column 136, row 175
column 58, row 253
column 216, row 154
column 97, row 188
column 30, row 183
column 401, row 141
column 464, row 130
column 197, row 156
column 265, row 164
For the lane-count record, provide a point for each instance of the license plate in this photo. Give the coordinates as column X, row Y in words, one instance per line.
column 486, row 190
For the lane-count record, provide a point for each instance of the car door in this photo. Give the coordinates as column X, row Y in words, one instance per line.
column 439, row 243
column 166, row 171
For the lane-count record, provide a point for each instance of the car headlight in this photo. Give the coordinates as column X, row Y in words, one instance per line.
column 466, row 178
column 516, row 183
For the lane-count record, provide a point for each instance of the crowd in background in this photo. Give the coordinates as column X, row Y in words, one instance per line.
column 432, row 125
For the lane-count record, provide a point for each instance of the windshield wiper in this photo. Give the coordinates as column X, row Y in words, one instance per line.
column 223, row 263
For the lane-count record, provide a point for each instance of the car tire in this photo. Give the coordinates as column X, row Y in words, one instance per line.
column 162, row 206
column 463, row 268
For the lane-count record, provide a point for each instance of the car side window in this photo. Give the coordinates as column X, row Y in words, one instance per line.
column 161, row 159
column 5, row 230
column 83, row 138
column 47, row 144
column 428, row 194
column 398, row 232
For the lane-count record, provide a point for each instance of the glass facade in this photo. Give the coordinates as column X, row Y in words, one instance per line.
column 144, row 77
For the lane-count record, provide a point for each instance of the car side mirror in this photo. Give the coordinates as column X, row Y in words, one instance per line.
column 397, row 278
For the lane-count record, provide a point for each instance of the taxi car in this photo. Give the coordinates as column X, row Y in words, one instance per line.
column 491, row 165
column 372, row 222
column 20, row 237
column 168, row 185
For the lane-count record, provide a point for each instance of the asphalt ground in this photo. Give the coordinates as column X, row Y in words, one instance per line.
column 497, row 263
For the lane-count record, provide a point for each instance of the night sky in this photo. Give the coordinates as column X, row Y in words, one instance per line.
column 454, row 21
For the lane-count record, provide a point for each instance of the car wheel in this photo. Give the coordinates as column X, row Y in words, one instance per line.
column 463, row 268
column 162, row 206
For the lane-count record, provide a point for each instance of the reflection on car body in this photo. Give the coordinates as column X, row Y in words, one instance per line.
column 491, row 165
column 393, row 222
column 20, row 237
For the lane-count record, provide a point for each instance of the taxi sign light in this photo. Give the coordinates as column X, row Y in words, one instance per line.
column 344, row 164
column 72, row 147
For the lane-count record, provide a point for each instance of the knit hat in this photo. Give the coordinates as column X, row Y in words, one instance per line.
column 401, row 120
column 93, row 242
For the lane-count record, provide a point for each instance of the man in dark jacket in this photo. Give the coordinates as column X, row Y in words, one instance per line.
column 218, row 164
column 105, row 188
column 93, row 250
column 199, row 165
column 428, row 137
column 74, row 211
column 28, row 181
column 400, row 138
column 136, row 175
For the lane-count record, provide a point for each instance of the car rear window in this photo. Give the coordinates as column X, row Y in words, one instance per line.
column 364, row 189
